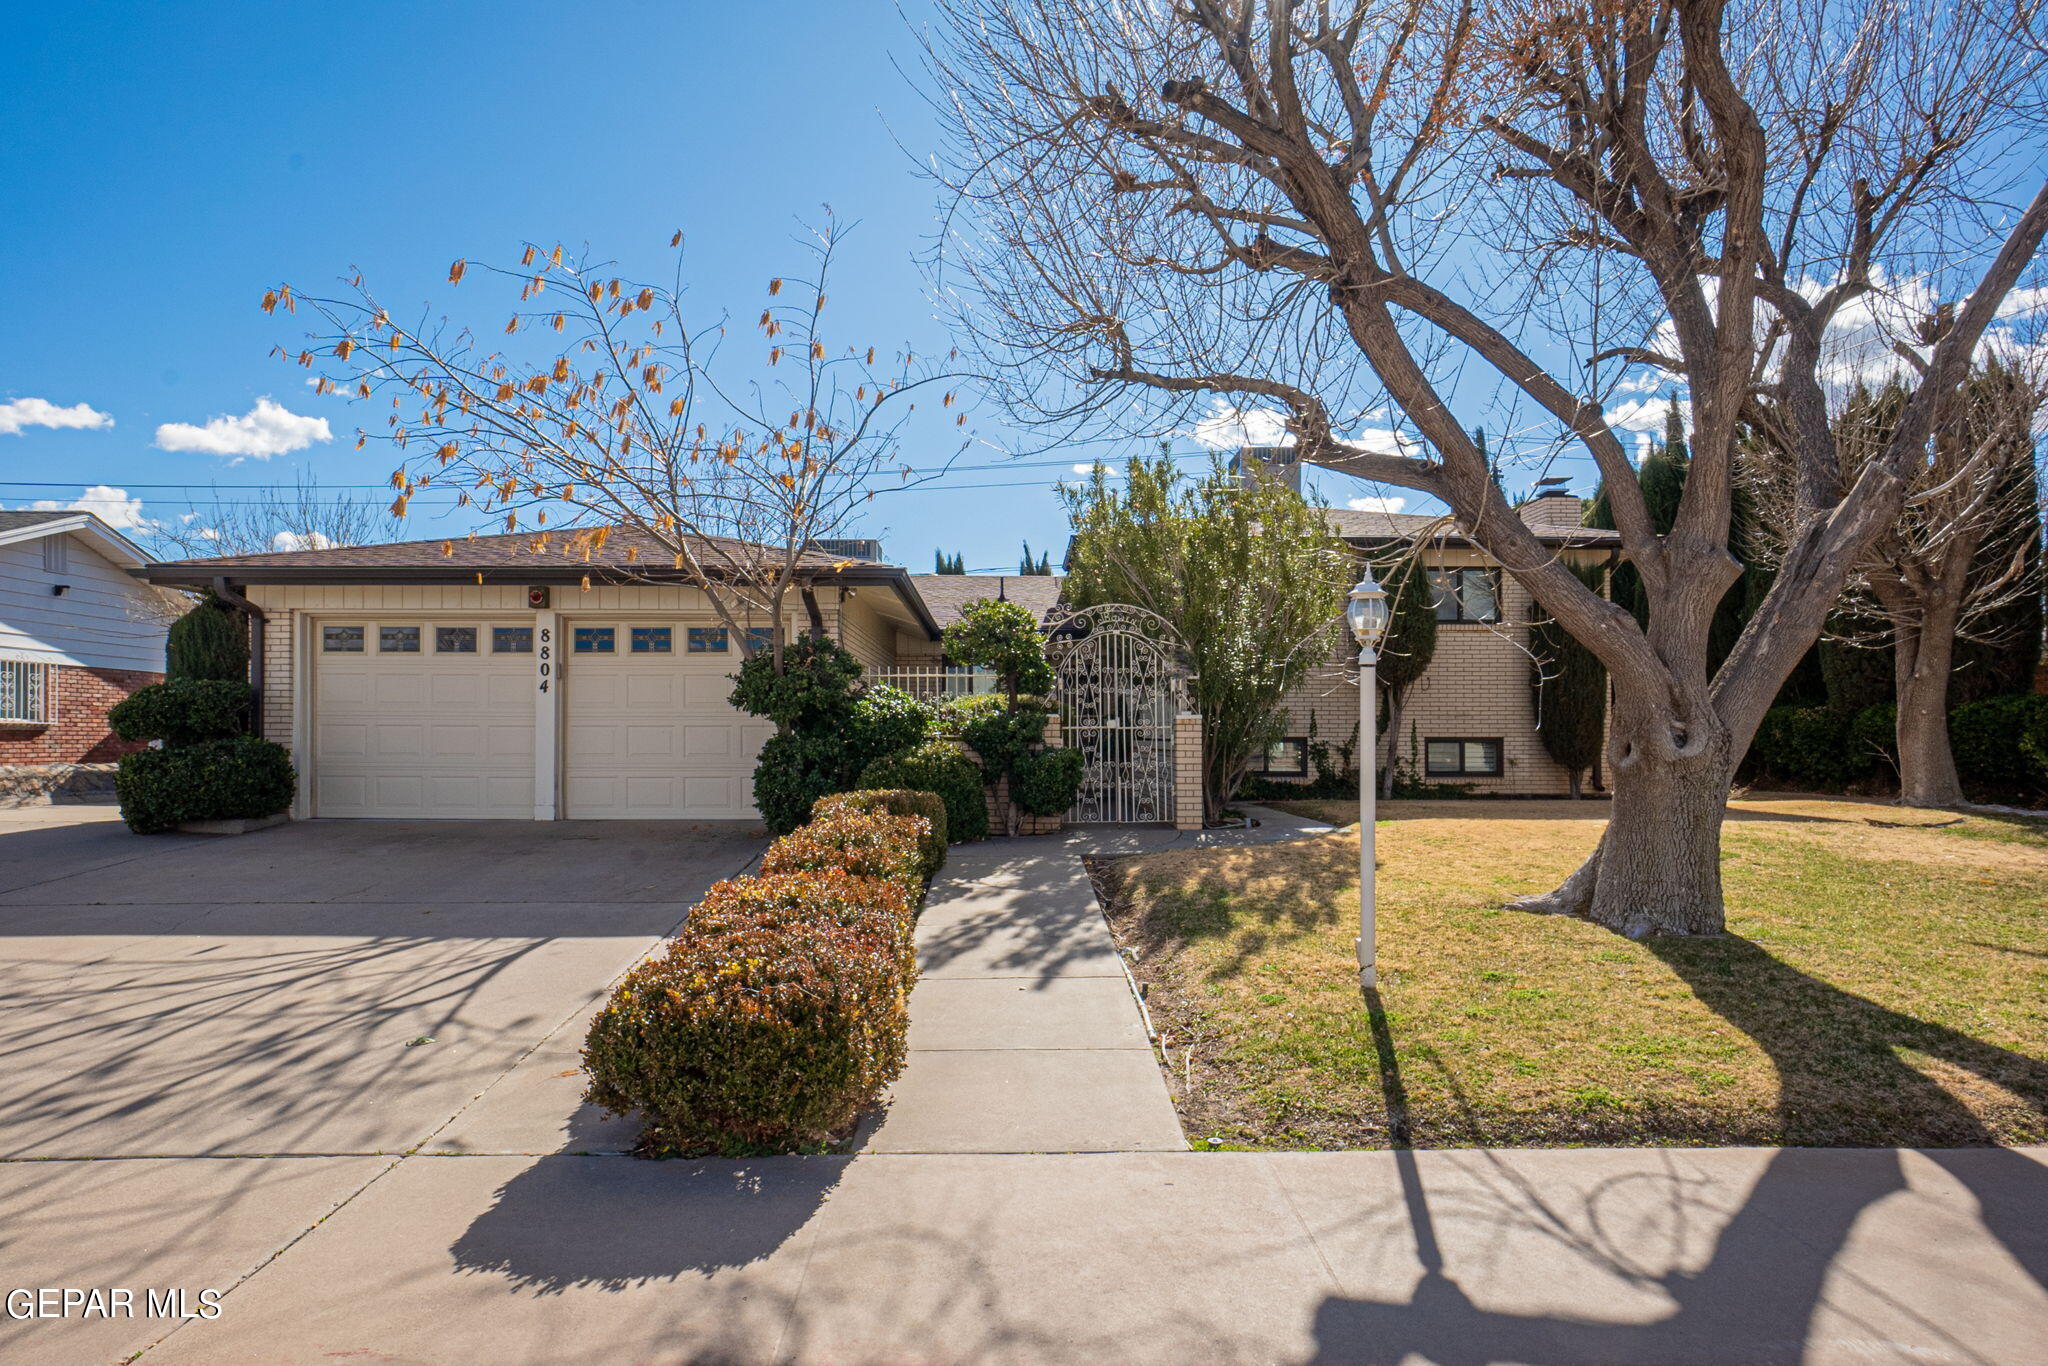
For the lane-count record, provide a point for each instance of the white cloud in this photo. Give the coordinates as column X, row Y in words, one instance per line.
column 1386, row 503
column 1228, row 427
column 267, row 429
column 293, row 540
column 17, row 413
column 111, row 505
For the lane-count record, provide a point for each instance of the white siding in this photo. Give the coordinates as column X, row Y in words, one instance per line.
column 103, row 621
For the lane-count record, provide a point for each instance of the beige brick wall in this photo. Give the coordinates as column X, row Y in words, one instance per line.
column 1187, row 772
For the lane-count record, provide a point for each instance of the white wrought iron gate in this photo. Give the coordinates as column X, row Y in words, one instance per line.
column 1119, row 682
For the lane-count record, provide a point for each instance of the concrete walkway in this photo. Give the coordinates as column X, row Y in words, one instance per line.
column 515, row 1233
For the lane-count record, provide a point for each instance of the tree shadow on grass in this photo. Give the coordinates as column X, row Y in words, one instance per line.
column 1761, row 1294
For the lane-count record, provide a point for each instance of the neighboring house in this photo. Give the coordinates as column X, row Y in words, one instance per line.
column 491, row 680
column 1470, row 719
column 77, row 635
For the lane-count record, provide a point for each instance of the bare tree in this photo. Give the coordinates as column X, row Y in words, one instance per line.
column 1917, row 586
column 252, row 522
column 1320, row 207
column 617, row 421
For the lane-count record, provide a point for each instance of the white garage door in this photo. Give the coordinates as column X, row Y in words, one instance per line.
column 648, row 733
column 420, row 718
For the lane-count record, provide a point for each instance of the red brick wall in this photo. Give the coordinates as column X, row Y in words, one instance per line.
column 77, row 732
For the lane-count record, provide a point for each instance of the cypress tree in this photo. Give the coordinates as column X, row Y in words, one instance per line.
column 1405, row 650
column 209, row 642
column 1570, row 687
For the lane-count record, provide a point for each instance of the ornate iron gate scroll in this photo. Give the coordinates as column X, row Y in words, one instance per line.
column 1119, row 682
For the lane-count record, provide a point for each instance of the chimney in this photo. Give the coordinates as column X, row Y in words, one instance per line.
column 1552, row 507
column 1280, row 462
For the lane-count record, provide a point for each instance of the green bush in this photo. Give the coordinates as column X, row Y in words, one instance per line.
column 952, row 715
column 941, row 767
column 184, row 711
column 1004, row 739
column 2034, row 743
column 210, row 643
column 866, row 845
column 884, row 721
column 1991, row 741
column 1046, row 783
column 215, row 780
column 792, row 772
column 777, row 1015
column 1875, row 732
column 1810, row 747
column 1002, row 637
column 814, row 692
column 894, row 802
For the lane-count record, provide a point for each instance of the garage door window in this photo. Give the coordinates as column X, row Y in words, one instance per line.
column 511, row 640
column 596, row 640
column 707, row 640
column 653, row 640
column 398, row 640
column 341, row 640
column 761, row 639
column 455, row 640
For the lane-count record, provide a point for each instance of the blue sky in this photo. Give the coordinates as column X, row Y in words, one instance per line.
column 165, row 165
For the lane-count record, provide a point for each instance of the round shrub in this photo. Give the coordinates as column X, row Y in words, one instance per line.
column 215, row 780
column 793, row 771
column 1808, row 746
column 940, row 767
column 1004, row 739
column 885, row 720
column 767, row 1025
column 894, row 802
column 2034, row 741
column 1989, row 739
column 883, row 906
column 1046, row 783
column 210, row 642
column 184, row 711
column 814, row 691
column 866, row 845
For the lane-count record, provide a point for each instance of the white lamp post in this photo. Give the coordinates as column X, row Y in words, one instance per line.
column 1366, row 613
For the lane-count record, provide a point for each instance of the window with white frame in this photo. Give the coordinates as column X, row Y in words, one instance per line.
column 25, row 691
column 1460, row 758
column 1465, row 594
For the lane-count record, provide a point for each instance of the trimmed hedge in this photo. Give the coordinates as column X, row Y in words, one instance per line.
column 778, row 1014
column 1046, row 783
column 792, row 772
column 184, row 711
column 865, row 845
column 943, row 768
column 1994, row 741
column 237, row 779
column 894, row 802
column 2000, row 744
column 1808, row 746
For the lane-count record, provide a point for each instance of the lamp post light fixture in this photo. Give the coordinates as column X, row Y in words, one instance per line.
column 1366, row 613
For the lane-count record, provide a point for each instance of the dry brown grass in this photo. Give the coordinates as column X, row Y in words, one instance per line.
column 1885, row 982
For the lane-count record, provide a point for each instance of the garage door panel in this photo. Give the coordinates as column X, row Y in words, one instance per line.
column 653, row 737
column 423, row 736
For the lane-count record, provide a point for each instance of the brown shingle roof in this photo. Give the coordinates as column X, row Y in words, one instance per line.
column 1355, row 525
column 625, row 548
column 15, row 520
column 947, row 594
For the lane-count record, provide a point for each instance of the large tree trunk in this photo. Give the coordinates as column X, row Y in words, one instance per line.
column 1657, row 867
column 1922, row 658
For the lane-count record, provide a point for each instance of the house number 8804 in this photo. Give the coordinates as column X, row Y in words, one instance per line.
column 546, row 655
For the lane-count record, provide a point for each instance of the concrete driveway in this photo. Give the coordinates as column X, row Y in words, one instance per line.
column 274, row 994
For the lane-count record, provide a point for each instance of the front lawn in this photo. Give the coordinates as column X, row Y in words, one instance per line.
column 1885, row 981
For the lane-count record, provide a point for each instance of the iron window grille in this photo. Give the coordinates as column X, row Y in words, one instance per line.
column 24, row 691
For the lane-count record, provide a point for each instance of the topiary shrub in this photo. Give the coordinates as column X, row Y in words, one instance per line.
column 815, row 689
column 776, row 1016
column 215, row 780
column 1989, row 739
column 209, row 643
column 1808, row 746
column 184, row 711
column 866, row 845
column 884, row 721
column 940, row 767
column 1046, row 783
column 897, row 801
column 792, row 772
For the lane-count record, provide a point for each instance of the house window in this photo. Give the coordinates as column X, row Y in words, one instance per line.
column 398, row 640
column 341, row 640
column 653, row 640
column 1465, row 594
column 24, row 691
column 1461, row 758
column 511, row 640
column 56, row 553
column 455, row 640
column 707, row 640
column 596, row 640
column 1283, row 759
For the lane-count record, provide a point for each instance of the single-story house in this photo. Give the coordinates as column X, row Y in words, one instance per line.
column 77, row 635
column 503, row 676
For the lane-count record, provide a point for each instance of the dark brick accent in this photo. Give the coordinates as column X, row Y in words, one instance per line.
column 77, row 732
